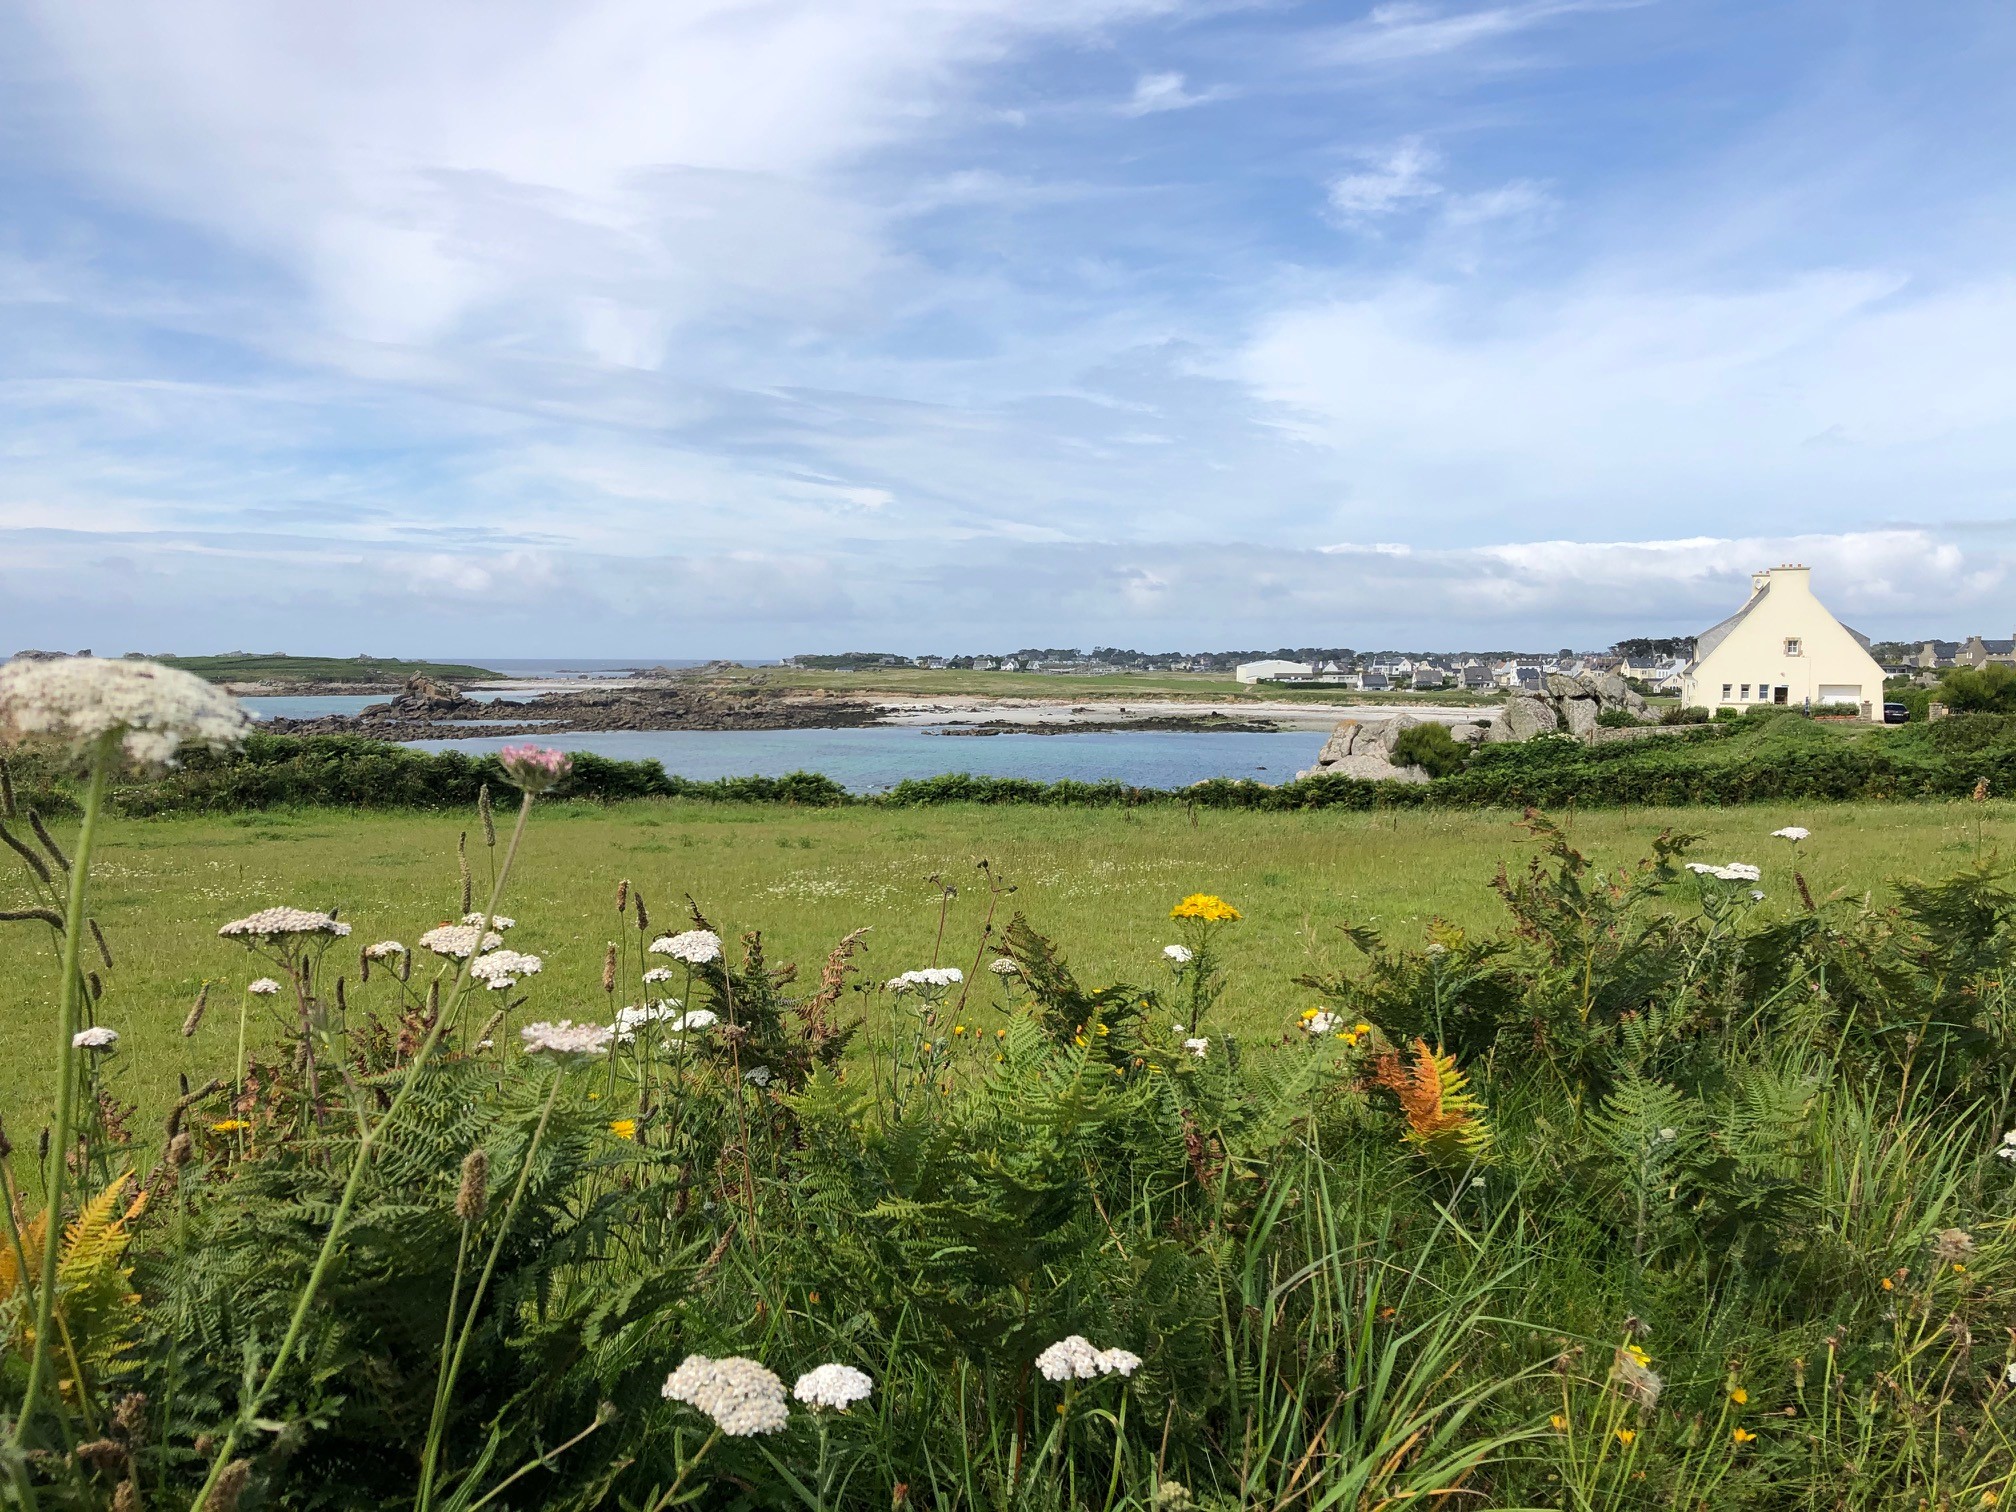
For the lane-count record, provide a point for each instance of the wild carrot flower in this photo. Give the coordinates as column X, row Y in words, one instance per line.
column 458, row 941
column 263, row 987
column 1793, row 832
column 1734, row 871
column 280, row 923
column 565, row 1038
column 74, row 701
column 503, row 968
column 696, row 947
column 837, row 1387
column 534, row 769
column 1206, row 907
column 99, row 1038
column 740, row 1395
column 1182, row 955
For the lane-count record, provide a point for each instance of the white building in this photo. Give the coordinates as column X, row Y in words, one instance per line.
column 1273, row 671
column 1783, row 647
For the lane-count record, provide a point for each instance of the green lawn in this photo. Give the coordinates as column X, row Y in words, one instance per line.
column 1099, row 881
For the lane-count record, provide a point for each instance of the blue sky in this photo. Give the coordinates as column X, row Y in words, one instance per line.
column 726, row 327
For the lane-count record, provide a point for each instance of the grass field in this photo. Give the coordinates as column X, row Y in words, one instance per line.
column 280, row 667
column 1100, row 881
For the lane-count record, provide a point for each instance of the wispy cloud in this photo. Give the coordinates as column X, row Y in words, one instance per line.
column 1156, row 92
column 1406, row 31
column 1391, row 181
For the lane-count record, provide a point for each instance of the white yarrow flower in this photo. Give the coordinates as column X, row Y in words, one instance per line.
column 1319, row 1023
column 927, row 977
column 277, row 923
column 503, row 968
column 1197, row 1047
column 696, row 947
column 566, row 1038
column 1182, row 955
column 1004, row 967
column 1075, row 1359
column 1793, row 832
column 629, row 1020
column 497, row 921
column 384, row 950
column 2008, row 1147
column 760, row 1075
column 694, row 1021
column 73, row 701
column 458, row 941
column 740, row 1395
column 264, row 987
column 100, row 1038
column 658, row 974
column 835, row 1386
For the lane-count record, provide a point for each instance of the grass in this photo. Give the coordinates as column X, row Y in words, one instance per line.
column 1101, row 881
column 279, row 667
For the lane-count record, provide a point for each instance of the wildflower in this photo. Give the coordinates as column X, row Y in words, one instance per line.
column 658, row 974
column 1559, row 1422
column 1207, row 907
column 458, row 941
column 1318, row 1022
column 1075, row 1359
column 1739, row 1396
column 1793, row 832
column 836, row 1386
column 693, row 1022
column 1734, row 871
column 1632, row 1371
column 623, row 1128
column 2008, row 1149
column 928, row 976
column 741, row 1396
column 1888, row 1284
column 1198, row 1046
column 566, row 1038
column 696, row 947
column 276, row 923
column 229, row 1126
column 1002, row 966
column 100, row 1038
column 1626, row 1435
column 384, row 950
column 75, row 701
column 497, row 921
column 2009, row 1372
column 1741, row 1436
column 503, row 968
column 632, row 1018
column 263, row 987
column 534, row 769
column 1182, row 955
column 760, row 1075
column 1952, row 1245
column 1668, row 1134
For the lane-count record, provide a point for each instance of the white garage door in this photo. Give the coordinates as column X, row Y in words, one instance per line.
column 1848, row 693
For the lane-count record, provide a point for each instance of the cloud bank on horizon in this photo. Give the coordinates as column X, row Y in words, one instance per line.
column 742, row 328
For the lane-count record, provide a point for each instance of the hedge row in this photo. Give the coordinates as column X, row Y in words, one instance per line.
column 1752, row 760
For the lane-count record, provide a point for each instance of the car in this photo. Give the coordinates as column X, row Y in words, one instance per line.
column 1895, row 713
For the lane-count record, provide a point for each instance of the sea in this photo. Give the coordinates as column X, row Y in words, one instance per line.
column 877, row 757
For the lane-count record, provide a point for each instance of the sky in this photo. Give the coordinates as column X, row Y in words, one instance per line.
column 748, row 327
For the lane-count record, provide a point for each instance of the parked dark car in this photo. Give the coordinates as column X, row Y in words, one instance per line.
column 1895, row 714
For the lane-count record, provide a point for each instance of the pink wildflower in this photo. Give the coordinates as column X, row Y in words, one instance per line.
column 534, row 768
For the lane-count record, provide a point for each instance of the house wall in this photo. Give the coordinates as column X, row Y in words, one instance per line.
column 1753, row 662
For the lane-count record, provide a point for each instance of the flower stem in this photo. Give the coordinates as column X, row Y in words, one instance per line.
column 367, row 1147
column 102, row 756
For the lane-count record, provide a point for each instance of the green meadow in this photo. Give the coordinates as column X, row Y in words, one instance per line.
column 1099, row 881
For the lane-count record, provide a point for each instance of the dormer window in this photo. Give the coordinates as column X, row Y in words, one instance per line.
column 1792, row 645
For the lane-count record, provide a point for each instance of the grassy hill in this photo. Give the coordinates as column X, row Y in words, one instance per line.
column 279, row 667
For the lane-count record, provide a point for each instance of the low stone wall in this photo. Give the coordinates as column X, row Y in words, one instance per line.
column 1603, row 735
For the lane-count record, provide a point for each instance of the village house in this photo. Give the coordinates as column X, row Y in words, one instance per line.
column 1783, row 647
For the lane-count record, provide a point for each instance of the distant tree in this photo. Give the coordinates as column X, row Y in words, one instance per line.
column 1643, row 646
column 1432, row 748
column 1978, row 690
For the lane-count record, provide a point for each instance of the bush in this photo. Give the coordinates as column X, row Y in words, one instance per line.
column 1432, row 748
column 1617, row 719
column 1978, row 690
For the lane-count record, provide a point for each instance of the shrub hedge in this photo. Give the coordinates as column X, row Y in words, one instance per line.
column 1747, row 760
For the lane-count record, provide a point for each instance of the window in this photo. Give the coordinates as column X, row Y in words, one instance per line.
column 1792, row 645
column 1746, row 693
column 1727, row 689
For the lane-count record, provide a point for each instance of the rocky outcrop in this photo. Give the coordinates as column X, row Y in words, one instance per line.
column 434, row 712
column 1363, row 748
column 1567, row 706
column 424, row 698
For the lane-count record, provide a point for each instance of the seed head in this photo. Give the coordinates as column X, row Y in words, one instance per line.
column 190, row 1024
column 609, row 968
column 474, row 1192
column 181, row 1149
column 489, row 819
column 230, row 1486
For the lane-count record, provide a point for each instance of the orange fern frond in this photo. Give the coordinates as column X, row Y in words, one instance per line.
column 1444, row 1121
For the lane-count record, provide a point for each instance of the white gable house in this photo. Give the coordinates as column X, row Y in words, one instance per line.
column 1783, row 648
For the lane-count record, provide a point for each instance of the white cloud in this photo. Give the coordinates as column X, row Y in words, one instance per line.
column 1156, row 92
column 1392, row 181
column 1407, row 31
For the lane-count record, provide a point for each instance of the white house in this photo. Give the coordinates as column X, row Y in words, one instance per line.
column 1273, row 671
column 1783, row 647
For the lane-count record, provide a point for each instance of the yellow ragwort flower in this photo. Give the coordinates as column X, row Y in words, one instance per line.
column 1739, row 1396
column 623, row 1128
column 1741, row 1436
column 1207, row 907
column 1626, row 1435
column 958, row 1028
